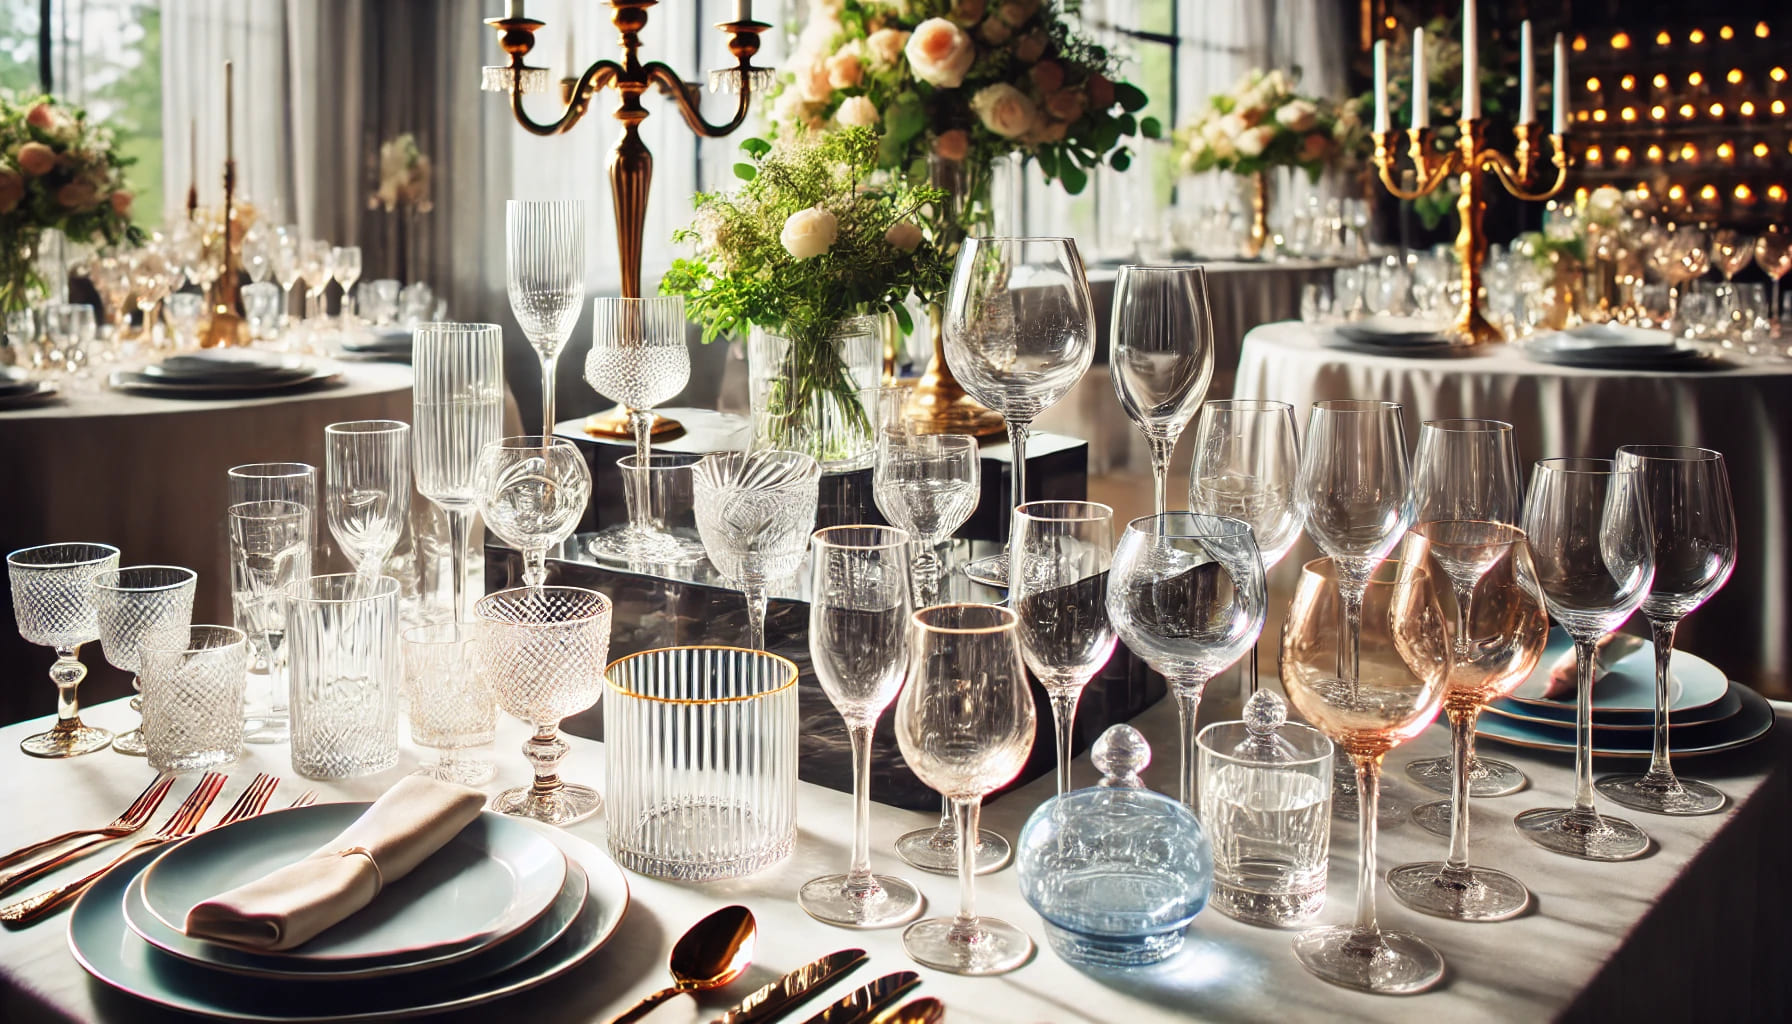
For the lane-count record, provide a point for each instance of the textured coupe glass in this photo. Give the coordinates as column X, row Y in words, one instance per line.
column 532, row 491
column 193, row 698
column 638, row 357
column 346, row 669
column 545, row 277
column 542, row 651
column 52, row 601
column 965, row 725
column 1162, row 336
column 926, row 484
column 367, row 489
column 1402, row 656
column 700, row 758
column 457, row 408
column 141, row 606
column 1018, row 336
column 452, row 706
column 1595, row 558
column 270, row 550
column 755, row 511
column 858, row 643
column 1693, row 520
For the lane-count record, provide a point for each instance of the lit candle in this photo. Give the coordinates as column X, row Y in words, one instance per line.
column 515, row 9
column 743, row 10
column 1527, row 89
column 1471, row 63
column 1383, row 120
column 1561, row 87
column 1421, row 85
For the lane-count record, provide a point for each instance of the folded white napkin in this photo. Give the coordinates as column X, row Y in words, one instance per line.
column 287, row 907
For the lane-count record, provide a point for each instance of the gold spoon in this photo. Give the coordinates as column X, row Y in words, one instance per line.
column 926, row 1010
column 713, row 953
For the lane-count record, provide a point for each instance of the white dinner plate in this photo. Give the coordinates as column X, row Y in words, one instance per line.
column 1740, row 729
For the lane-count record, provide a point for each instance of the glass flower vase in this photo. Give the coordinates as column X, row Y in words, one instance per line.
column 806, row 393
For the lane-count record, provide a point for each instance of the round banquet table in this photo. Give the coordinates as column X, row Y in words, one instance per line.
column 1745, row 413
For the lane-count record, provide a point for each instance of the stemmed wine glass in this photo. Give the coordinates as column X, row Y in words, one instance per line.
column 1018, row 337
column 1186, row 593
column 1731, row 251
column 1057, row 584
column 858, row 643
column 965, row 726
column 638, row 357
column 532, row 491
column 755, row 511
column 1773, row 254
column 1402, row 657
column 1595, row 557
column 457, row 404
column 545, row 246
column 367, row 488
column 52, row 602
column 283, row 255
column 318, row 268
column 926, row 484
column 138, row 607
column 1162, row 336
column 1693, row 523
column 345, row 267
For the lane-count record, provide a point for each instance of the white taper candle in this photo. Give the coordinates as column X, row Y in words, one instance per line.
column 1383, row 119
column 1527, row 87
column 1561, row 87
column 1421, row 85
column 1471, row 62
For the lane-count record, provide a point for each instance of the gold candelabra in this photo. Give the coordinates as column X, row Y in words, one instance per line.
column 1471, row 161
column 227, row 326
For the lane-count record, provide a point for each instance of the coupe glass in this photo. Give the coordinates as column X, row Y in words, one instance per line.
column 1018, row 336
column 457, row 408
column 1057, row 584
column 1402, row 657
column 345, row 267
column 755, row 511
column 532, row 491
column 1773, row 254
column 1465, row 471
column 1495, row 647
column 638, row 357
column 137, row 607
column 1693, row 523
column 52, row 601
column 965, row 725
column 1595, row 558
column 543, row 650
column 858, row 644
column 367, row 488
column 1186, row 594
column 452, row 706
column 1162, row 336
column 926, row 484
column 545, row 277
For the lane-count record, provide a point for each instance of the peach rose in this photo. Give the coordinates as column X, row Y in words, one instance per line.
column 994, row 31
column 35, row 158
column 1048, row 131
column 1253, row 141
column 952, row 145
column 12, row 190
column 1065, row 105
column 904, row 235
column 1101, row 91
column 857, row 112
column 1251, row 114
column 1019, row 12
column 41, row 116
column 76, row 195
column 885, row 45
column 121, row 203
column 1048, row 77
column 845, row 70
column 1030, row 47
column 1298, row 115
column 812, row 82
column 940, row 53
column 1005, row 110
column 968, row 12
column 1314, row 147
column 809, row 233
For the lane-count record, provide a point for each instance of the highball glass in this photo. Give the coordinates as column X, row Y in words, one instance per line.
column 532, row 491
column 457, row 408
column 267, row 720
column 367, row 489
column 346, row 670
column 270, row 550
column 755, row 511
column 141, row 606
column 452, row 706
column 193, row 698
column 52, row 602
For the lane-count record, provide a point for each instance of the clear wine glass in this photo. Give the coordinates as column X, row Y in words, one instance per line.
column 1693, row 524
column 111, row 276
column 1595, row 557
column 283, row 256
column 1402, row 656
column 1731, row 251
column 926, row 484
column 345, row 267
column 858, row 644
column 457, row 408
column 638, row 357
column 532, row 491
column 755, row 511
column 367, row 489
column 52, row 602
column 141, row 606
column 318, row 268
column 1773, row 254
column 1018, row 336
column 1186, row 594
column 1162, row 337
column 965, row 725
column 545, row 264
column 1057, row 584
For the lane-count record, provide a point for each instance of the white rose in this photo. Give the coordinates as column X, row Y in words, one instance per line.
column 1255, row 140
column 1222, row 145
column 1233, row 126
column 1004, row 110
column 1298, row 115
column 904, row 235
column 885, row 45
column 940, row 52
column 857, row 112
column 809, row 233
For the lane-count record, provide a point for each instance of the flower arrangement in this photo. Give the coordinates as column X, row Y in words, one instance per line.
column 1263, row 123
column 59, row 172
column 404, row 175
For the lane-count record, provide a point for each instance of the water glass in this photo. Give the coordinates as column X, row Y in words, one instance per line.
column 532, row 491
column 1347, row 291
column 342, row 632
column 452, row 706
column 367, row 488
column 52, row 602
column 755, row 511
column 1268, row 815
column 193, row 698
column 700, row 753
column 661, row 495
column 1315, row 303
column 71, row 330
column 182, row 312
column 270, row 550
column 261, row 307
column 457, row 408
column 141, row 606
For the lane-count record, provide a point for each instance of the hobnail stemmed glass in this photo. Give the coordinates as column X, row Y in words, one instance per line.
column 457, row 404
column 453, row 709
column 638, row 358
column 532, row 491
column 1162, row 361
column 52, row 601
column 367, row 488
column 545, row 279
column 755, row 511
column 137, row 607
column 926, row 484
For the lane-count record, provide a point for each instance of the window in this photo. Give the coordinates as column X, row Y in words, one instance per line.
column 106, row 56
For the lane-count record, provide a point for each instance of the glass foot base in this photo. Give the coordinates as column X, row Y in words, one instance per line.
column 985, row 946
column 467, row 773
column 991, row 571
column 1642, row 793
column 1485, row 895
column 131, row 743
column 1580, row 834
column 563, row 806
column 1386, row 963
column 629, row 543
column 932, row 849
column 73, row 742
column 892, row 902
column 1486, row 776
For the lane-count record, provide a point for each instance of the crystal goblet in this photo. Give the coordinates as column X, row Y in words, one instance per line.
column 52, row 601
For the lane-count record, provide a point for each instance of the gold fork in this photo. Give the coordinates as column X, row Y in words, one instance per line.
column 306, row 799
column 134, row 818
column 183, row 823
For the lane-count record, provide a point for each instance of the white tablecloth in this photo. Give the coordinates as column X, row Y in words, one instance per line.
column 1746, row 413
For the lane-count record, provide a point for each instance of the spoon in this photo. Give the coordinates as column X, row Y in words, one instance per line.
column 713, row 953
column 926, row 1010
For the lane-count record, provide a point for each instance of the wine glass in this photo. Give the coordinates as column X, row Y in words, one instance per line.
column 1465, row 470
column 1773, row 254
column 1595, row 557
column 1186, row 593
column 1495, row 647
column 345, row 267
column 1693, row 524
column 1057, row 584
column 138, row 607
column 283, row 255
column 858, row 644
column 52, row 602
column 1731, row 251
column 638, row 357
column 111, row 276
column 532, row 491
column 317, row 267
column 367, row 488
column 965, row 726
column 1162, row 334
column 1018, row 336
column 926, row 484
column 545, row 277
column 1402, row 657
column 457, row 408
column 755, row 511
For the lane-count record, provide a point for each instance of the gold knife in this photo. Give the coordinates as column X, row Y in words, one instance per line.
column 792, row 990
column 868, row 1001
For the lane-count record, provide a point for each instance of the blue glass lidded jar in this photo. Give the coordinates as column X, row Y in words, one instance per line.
column 1116, row 870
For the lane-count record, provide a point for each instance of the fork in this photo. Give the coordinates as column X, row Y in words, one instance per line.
column 134, row 817
column 183, row 823
column 306, row 799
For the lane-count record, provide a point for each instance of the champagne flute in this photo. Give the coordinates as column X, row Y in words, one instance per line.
column 1693, row 523
column 457, row 408
column 283, row 255
column 1402, row 657
column 1162, row 334
column 1595, row 557
column 1058, row 581
column 965, row 725
column 545, row 278
column 367, row 489
column 858, row 644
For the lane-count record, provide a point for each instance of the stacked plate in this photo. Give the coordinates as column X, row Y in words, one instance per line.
column 17, row 388
column 1707, row 713
column 1396, row 335
column 1617, row 347
column 504, row 906
column 223, row 374
column 391, row 344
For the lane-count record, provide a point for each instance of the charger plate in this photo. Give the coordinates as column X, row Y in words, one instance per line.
column 1746, row 726
column 1626, row 694
column 1724, row 707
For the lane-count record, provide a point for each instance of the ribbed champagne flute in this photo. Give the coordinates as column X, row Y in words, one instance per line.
column 545, row 277
column 457, row 409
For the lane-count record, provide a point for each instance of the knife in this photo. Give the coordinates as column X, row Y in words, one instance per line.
column 868, row 1001
column 793, row 989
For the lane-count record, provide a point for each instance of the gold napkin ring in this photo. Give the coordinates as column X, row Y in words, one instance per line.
column 379, row 878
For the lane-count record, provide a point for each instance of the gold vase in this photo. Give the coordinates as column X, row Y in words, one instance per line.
column 1259, row 215
column 939, row 404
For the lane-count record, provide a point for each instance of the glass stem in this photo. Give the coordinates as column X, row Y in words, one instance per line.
column 1368, row 784
column 756, row 603
column 460, row 536
column 67, row 673
column 1462, row 738
column 544, row 751
column 859, row 882
column 535, row 566
column 1350, row 608
column 548, row 363
column 965, row 813
column 946, row 832
column 1017, row 447
column 1586, row 653
column 1064, row 724
column 1161, row 450
column 926, row 567
column 1188, row 704
column 1661, row 769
